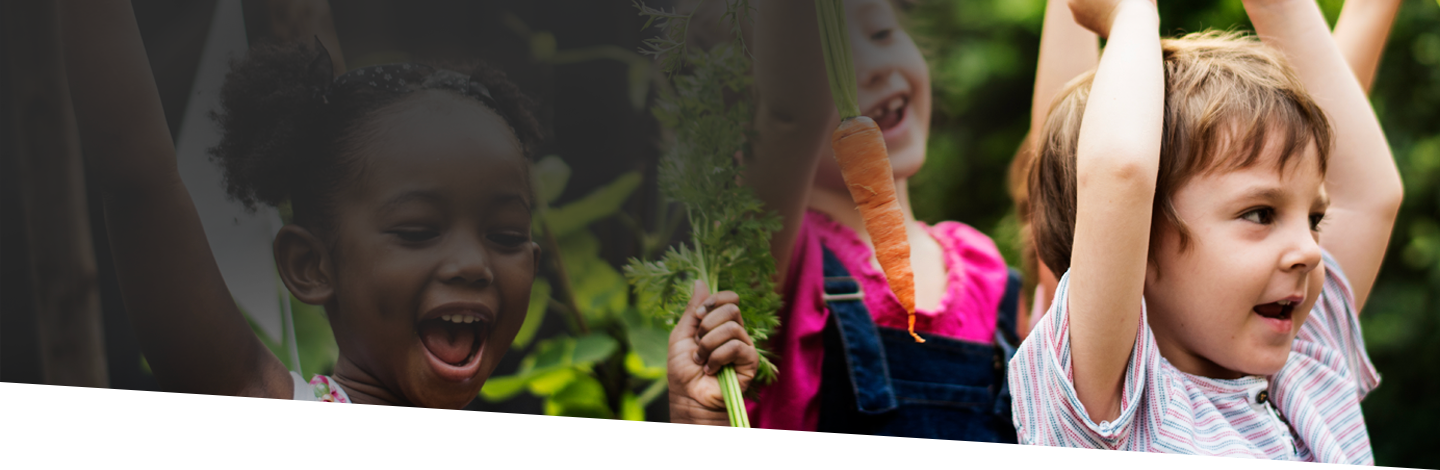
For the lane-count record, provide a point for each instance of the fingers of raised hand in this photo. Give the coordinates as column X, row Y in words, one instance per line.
column 736, row 352
column 711, row 343
column 712, row 319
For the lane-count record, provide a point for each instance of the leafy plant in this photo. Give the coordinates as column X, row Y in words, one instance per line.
column 577, row 373
column 709, row 111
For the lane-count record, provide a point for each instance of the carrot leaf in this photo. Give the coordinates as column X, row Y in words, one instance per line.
column 839, row 66
column 708, row 111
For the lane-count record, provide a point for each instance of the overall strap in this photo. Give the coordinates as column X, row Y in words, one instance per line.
column 1006, row 339
column 863, row 353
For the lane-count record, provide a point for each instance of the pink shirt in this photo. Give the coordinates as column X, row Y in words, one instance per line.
column 1318, row 391
column 975, row 282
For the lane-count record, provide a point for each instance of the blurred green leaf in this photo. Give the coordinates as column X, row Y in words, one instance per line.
column 602, row 203
column 551, row 175
column 503, row 388
column 651, row 345
column 552, row 381
column 534, row 314
column 630, row 408
column 599, row 289
column 594, row 347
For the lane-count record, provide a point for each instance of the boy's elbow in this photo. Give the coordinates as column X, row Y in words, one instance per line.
column 1118, row 174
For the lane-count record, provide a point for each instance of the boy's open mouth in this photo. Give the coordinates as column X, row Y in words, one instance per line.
column 454, row 339
column 1280, row 310
column 891, row 113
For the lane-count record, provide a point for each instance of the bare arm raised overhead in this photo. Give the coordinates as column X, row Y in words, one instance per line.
column 1118, row 158
column 1363, row 183
column 1361, row 31
column 192, row 334
column 794, row 118
column 1066, row 51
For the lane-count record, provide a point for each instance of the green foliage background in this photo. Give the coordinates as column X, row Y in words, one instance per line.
column 982, row 57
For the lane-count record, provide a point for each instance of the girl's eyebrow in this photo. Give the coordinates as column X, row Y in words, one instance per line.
column 510, row 197
column 422, row 195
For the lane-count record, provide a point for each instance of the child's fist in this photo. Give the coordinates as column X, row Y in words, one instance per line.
column 1098, row 15
column 708, row 336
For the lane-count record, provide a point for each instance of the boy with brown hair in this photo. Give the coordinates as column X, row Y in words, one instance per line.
column 1181, row 188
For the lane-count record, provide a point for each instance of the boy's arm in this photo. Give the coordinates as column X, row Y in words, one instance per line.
column 1118, row 158
column 190, row 330
column 1066, row 51
column 794, row 115
column 1361, row 32
column 1363, row 183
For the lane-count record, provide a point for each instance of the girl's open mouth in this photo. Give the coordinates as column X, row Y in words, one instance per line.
column 890, row 114
column 454, row 343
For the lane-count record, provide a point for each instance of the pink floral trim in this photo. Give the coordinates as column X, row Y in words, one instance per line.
column 326, row 391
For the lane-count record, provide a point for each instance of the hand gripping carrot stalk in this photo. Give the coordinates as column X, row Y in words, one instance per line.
column 864, row 163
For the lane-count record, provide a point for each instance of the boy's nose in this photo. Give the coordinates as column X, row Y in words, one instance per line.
column 1303, row 253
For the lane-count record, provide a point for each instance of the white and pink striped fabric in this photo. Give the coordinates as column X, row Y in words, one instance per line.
column 1165, row 410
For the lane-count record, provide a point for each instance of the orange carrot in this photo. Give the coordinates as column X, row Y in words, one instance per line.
column 860, row 149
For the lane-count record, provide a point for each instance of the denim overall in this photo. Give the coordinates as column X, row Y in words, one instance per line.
column 879, row 381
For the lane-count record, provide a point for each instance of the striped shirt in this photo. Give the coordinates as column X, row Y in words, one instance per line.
column 1312, row 412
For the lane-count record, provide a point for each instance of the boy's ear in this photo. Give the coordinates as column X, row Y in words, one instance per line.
column 304, row 265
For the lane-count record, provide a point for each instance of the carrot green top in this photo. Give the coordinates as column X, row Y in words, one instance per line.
column 835, row 41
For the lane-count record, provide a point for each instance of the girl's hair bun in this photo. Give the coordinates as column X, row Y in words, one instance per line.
column 285, row 136
column 271, row 121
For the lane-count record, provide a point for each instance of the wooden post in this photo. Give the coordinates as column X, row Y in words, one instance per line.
column 46, row 147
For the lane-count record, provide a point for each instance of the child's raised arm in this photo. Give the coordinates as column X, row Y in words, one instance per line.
column 191, row 332
column 794, row 117
column 1361, row 32
column 1362, row 181
column 1116, row 166
column 1066, row 51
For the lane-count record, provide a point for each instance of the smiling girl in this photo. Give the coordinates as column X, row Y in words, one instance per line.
column 411, row 223
column 1217, row 238
column 854, row 388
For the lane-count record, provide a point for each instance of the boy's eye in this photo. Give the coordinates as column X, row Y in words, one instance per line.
column 1263, row 215
column 508, row 239
column 881, row 35
column 415, row 235
column 1315, row 220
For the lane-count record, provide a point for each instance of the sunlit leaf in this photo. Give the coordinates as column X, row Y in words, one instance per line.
column 534, row 314
column 630, row 409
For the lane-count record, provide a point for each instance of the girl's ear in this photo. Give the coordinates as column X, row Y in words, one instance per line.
column 304, row 265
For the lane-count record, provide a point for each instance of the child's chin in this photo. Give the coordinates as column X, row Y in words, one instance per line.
column 448, row 399
column 1266, row 362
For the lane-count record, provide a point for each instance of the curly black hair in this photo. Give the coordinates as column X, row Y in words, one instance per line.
column 284, row 142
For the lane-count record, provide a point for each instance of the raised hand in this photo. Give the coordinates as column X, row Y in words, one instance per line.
column 1097, row 15
column 710, row 335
